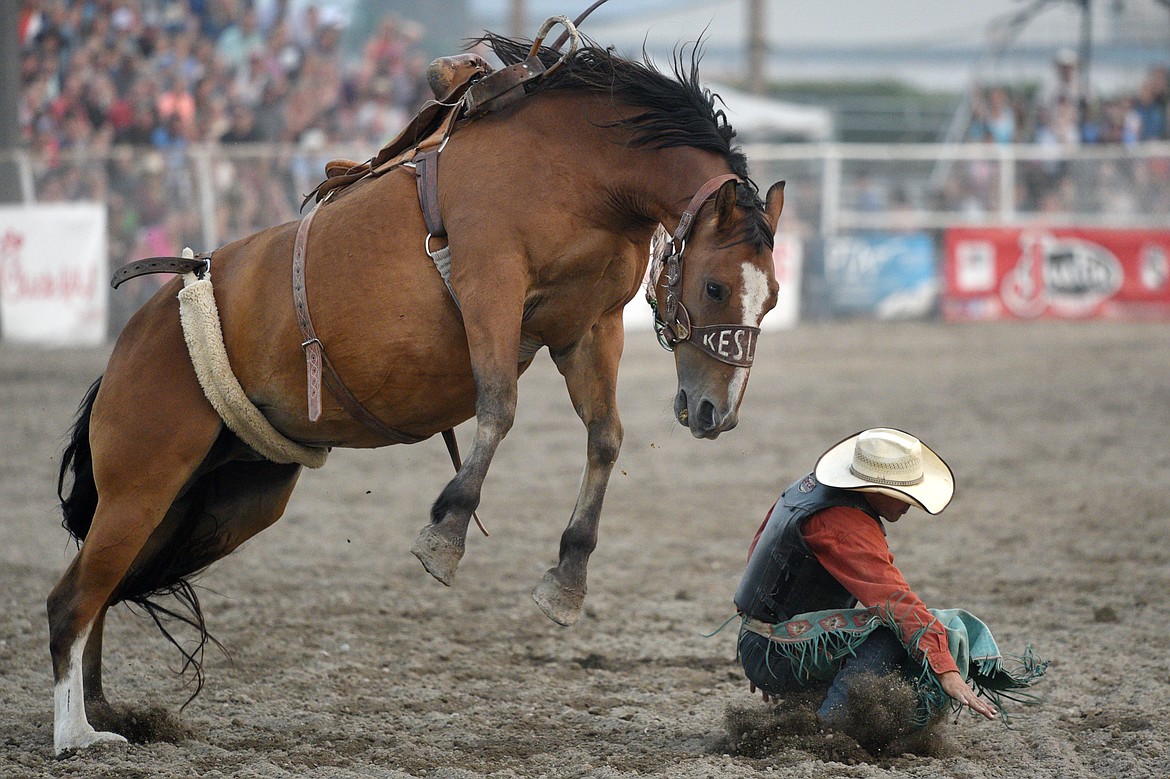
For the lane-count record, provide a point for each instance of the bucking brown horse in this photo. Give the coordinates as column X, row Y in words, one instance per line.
column 548, row 202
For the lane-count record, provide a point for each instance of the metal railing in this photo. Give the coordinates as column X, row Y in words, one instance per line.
column 835, row 188
column 204, row 196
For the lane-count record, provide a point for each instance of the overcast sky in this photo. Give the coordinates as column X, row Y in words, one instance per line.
column 802, row 22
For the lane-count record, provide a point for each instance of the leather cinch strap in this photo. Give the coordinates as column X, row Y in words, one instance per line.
column 426, row 169
column 318, row 366
column 311, row 344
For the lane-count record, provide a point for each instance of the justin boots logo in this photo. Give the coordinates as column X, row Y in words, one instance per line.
column 1060, row 275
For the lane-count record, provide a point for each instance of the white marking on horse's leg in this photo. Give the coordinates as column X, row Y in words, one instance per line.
column 71, row 728
column 755, row 295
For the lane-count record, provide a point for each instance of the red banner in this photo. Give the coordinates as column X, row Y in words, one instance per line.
column 1056, row 273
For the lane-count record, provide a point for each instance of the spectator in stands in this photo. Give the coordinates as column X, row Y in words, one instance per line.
column 140, row 130
column 870, row 196
column 1001, row 116
column 243, row 127
column 1150, row 106
column 177, row 102
column 238, row 42
column 1065, row 86
column 251, row 79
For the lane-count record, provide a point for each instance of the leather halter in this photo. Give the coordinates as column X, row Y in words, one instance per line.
column 731, row 344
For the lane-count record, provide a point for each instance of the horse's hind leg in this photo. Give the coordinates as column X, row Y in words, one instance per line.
column 236, row 501
column 136, row 484
column 245, row 497
column 96, row 705
column 590, row 371
column 76, row 608
column 77, row 604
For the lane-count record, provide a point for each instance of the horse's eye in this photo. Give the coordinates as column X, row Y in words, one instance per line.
column 716, row 292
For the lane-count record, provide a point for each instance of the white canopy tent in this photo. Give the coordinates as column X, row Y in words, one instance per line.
column 757, row 118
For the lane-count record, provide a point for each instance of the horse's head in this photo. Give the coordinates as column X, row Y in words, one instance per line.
column 713, row 281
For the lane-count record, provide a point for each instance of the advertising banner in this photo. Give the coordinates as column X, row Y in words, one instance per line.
column 1057, row 273
column 884, row 275
column 53, row 274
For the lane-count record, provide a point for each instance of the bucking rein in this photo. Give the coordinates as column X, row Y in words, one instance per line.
column 465, row 87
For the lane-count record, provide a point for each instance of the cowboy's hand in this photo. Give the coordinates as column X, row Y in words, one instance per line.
column 954, row 686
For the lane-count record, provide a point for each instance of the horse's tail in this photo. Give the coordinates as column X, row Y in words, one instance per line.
column 79, row 505
column 167, row 572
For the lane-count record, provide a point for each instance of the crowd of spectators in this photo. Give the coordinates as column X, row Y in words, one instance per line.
column 169, row 72
column 115, row 92
column 1058, row 117
column 1058, row 113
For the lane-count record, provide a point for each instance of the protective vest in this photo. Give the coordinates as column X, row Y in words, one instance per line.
column 783, row 577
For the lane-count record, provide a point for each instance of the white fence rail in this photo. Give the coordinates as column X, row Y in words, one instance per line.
column 834, row 187
column 844, row 187
column 203, row 195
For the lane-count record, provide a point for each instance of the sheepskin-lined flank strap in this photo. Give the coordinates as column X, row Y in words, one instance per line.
column 204, row 337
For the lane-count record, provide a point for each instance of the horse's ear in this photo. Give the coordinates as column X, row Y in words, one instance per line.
column 775, row 203
column 725, row 204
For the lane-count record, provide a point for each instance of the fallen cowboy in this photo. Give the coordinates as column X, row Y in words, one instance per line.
column 824, row 608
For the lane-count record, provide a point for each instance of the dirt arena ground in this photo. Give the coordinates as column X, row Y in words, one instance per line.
column 348, row 660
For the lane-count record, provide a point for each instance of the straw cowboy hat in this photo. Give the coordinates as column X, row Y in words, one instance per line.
column 891, row 462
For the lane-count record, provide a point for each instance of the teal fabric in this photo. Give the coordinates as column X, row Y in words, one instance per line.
column 970, row 640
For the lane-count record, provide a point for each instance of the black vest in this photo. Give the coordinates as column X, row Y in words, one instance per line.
column 783, row 577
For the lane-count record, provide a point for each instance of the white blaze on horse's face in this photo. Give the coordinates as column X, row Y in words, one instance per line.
column 756, row 296
column 711, row 391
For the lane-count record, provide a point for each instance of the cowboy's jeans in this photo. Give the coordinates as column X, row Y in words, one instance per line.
column 880, row 654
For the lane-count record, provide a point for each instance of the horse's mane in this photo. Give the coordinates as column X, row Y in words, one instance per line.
column 675, row 111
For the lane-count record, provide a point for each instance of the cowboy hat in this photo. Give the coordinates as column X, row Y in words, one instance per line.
column 892, row 462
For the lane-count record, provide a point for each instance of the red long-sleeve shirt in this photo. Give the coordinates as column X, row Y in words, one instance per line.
column 853, row 549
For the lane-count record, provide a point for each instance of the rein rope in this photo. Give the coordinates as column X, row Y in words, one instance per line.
column 731, row 344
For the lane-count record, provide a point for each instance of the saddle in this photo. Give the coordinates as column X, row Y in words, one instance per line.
column 449, row 79
column 464, row 86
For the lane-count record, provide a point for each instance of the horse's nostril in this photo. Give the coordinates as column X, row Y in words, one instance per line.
column 680, row 408
column 707, row 417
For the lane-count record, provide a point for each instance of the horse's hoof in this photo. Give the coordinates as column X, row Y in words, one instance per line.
column 86, row 740
column 437, row 554
column 560, row 604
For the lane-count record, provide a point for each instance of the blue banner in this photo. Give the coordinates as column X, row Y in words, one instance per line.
column 886, row 275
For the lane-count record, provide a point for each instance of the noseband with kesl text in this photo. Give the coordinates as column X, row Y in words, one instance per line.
column 732, row 344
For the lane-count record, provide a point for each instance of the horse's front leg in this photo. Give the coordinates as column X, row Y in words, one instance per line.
column 590, row 371
column 491, row 316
